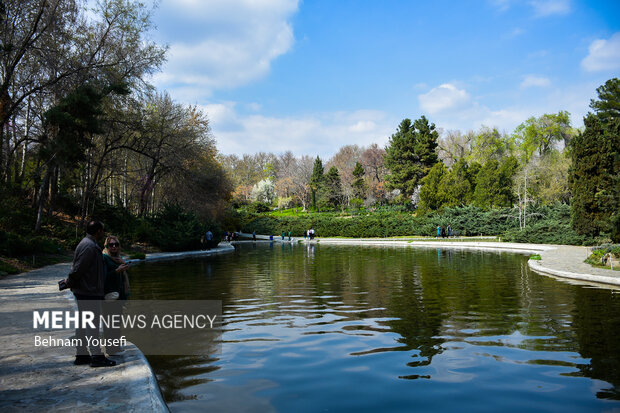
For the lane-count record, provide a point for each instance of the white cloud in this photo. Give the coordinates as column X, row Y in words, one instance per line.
column 604, row 55
column 442, row 98
column 315, row 134
column 535, row 81
column 474, row 112
column 502, row 5
column 517, row 31
column 221, row 44
column 363, row 126
column 543, row 8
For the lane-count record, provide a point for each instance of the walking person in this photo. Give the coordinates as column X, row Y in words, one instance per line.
column 438, row 231
column 86, row 280
column 116, row 288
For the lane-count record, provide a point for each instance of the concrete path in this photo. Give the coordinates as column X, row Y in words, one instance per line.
column 38, row 378
column 566, row 262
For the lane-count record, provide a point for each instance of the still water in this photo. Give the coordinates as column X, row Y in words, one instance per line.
column 315, row 328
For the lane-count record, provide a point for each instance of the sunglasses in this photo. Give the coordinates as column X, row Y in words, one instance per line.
column 113, row 244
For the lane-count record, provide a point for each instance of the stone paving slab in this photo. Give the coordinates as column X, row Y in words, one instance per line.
column 44, row 378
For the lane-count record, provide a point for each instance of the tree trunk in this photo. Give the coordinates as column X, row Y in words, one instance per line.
column 42, row 196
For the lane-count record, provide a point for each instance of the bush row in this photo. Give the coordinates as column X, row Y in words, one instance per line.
column 546, row 224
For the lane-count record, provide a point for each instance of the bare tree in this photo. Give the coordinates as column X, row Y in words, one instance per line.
column 453, row 145
column 301, row 180
column 372, row 161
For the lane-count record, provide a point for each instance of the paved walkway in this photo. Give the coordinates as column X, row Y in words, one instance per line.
column 567, row 262
column 44, row 378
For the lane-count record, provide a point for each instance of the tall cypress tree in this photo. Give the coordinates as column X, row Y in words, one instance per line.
column 359, row 184
column 316, row 179
column 595, row 177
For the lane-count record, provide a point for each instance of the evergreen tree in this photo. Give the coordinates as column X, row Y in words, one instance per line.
column 494, row 184
column 316, row 179
column 456, row 186
column 410, row 154
column 608, row 104
column 594, row 177
column 431, row 195
column 331, row 191
column 359, row 184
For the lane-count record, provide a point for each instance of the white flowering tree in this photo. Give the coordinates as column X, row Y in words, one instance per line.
column 264, row 191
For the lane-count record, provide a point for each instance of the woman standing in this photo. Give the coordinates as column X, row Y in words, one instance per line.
column 116, row 287
column 116, row 279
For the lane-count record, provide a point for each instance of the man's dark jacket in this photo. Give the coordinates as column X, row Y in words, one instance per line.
column 87, row 275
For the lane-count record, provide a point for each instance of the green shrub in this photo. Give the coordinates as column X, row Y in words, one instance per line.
column 8, row 268
column 545, row 224
column 14, row 245
column 546, row 232
column 356, row 204
column 175, row 229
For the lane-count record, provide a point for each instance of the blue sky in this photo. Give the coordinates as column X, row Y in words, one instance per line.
column 312, row 76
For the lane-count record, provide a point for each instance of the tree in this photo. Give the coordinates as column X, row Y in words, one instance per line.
column 454, row 146
column 264, row 191
column 489, row 144
column 608, row 104
column 595, row 169
column 301, row 180
column 331, row 190
column 51, row 46
column 457, row 185
column 69, row 125
column 344, row 160
column 373, row 159
column 432, row 197
column 316, row 179
column 542, row 133
column 494, row 184
column 594, row 177
column 359, row 184
column 410, row 154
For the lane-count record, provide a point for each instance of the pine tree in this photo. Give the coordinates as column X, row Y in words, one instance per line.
column 608, row 104
column 410, row 154
column 331, row 192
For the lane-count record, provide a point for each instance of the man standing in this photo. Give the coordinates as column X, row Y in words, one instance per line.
column 86, row 281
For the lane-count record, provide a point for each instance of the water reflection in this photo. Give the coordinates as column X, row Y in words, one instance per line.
column 342, row 328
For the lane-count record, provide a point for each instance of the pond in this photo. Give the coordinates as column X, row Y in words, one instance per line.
column 341, row 328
